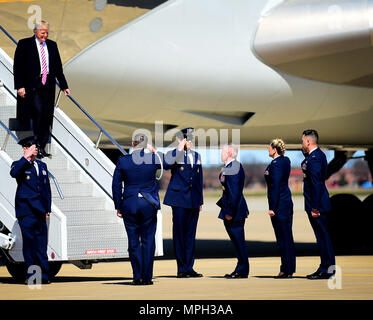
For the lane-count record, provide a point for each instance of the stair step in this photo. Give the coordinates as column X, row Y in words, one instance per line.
column 66, row 176
column 7, row 110
column 56, row 163
column 72, row 189
column 80, row 204
column 82, row 218
column 93, row 232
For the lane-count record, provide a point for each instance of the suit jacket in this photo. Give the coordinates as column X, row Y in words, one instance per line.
column 26, row 65
column 185, row 189
column 232, row 202
column 277, row 178
column 138, row 173
column 314, row 168
column 33, row 193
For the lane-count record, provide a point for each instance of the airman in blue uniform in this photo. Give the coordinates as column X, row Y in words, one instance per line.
column 317, row 202
column 184, row 195
column 138, row 203
column 234, row 209
column 32, row 206
column 281, row 206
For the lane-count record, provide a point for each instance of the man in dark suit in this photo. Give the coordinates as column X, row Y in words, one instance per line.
column 317, row 202
column 184, row 195
column 33, row 206
column 137, row 204
column 234, row 209
column 37, row 64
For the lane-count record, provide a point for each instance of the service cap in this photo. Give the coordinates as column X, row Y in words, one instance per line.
column 186, row 133
column 28, row 141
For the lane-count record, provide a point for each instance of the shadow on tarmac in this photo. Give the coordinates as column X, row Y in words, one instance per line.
column 209, row 249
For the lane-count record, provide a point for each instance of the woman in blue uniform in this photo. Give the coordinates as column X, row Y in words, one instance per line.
column 281, row 206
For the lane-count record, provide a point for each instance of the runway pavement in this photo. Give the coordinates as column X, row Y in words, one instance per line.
column 215, row 257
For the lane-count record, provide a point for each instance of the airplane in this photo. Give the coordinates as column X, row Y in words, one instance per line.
column 268, row 68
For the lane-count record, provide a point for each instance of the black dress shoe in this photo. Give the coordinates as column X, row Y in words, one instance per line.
column 235, row 275
column 136, row 282
column 194, row 274
column 147, row 283
column 320, row 275
column 283, row 275
column 42, row 154
column 183, row 275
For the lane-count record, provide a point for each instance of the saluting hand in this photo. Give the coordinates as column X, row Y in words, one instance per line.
column 181, row 145
column 151, row 148
column 31, row 151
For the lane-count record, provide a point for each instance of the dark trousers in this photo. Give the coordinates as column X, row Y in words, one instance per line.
column 282, row 226
column 38, row 105
column 35, row 240
column 141, row 228
column 236, row 232
column 184, row 236
column 320, row 228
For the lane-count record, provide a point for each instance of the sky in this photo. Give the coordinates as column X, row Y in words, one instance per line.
column 212, row 156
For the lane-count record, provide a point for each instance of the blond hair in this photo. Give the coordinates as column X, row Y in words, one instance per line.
column 279, row 145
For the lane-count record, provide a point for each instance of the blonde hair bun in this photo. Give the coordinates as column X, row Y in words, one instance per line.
column 279, row 145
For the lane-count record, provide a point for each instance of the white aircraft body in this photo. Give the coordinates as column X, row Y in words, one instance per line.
column 268, row 68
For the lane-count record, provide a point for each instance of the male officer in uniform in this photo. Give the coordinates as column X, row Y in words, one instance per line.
column 137, row 204
column 234, row 209
column 33, row 206
column 184, row 195
column 317, row 202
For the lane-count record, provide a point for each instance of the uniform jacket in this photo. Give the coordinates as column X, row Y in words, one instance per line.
column 137, row 172
column 232, row 202
column 33, row 191
column 277, row 176
column 314, row 168
column 26, row 65
column 186, row 184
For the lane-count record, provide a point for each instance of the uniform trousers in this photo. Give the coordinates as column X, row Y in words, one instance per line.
column 141, row 227
column 320, row 228
column 184, row 234
column 236, row 232
column 282, row 226
column 35, row 241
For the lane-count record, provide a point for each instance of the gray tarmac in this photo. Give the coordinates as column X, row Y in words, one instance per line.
column 215, row 257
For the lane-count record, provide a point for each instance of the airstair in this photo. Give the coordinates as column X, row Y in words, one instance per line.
column 83, row 227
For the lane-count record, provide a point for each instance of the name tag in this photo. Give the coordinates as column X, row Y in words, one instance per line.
column 44, row 172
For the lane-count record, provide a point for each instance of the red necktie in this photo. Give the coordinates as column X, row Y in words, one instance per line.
column 44, row 64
